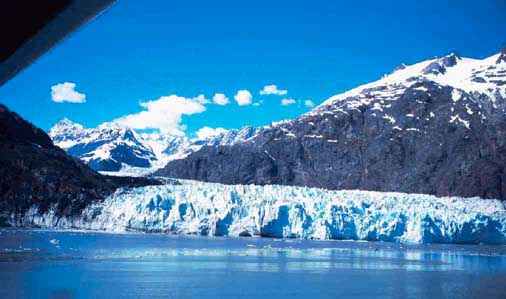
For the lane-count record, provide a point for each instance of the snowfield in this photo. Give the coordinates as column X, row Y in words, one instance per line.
column 290, row 212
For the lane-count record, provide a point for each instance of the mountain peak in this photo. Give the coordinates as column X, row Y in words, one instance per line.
column 399, row 67
column 113, row 126
column 107, row 147
column 502, row 55
column 65, row 122
column 502, row 50
column 450, row 59
column 65, row 127
column 64, row 131
column 440, row 65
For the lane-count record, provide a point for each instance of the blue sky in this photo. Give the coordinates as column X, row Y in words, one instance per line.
column 134, row 53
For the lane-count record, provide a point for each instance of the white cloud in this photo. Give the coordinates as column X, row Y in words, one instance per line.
column 164, row 114
column 273, row 89
column 220, row 99
column 206, row 132
column 201, row 99
column 243, row 97
column 65, row 92
column 288, row 101
column 308, row 103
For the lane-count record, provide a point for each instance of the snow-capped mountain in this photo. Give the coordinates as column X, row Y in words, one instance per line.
column 106, row 148
column 479, row 77
column 288, row 212
column 229, row 137
column 435, row 127
column 67, row 133
column 115, row 149
column 169, row 147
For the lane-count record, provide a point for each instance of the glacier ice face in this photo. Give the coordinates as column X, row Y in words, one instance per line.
column 291, row 212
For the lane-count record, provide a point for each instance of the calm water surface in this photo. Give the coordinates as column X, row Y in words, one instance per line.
column 47, row 264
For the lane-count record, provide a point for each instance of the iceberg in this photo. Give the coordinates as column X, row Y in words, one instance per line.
column 289, row 212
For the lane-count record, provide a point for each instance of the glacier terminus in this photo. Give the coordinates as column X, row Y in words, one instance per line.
column 191, row 207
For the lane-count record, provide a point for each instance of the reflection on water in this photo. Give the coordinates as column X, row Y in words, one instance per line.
column 82, row 265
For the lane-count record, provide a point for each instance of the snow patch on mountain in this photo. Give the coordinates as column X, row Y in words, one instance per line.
column 291, row 212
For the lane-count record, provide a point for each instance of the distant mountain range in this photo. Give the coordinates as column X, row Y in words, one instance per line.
column 435, row 127
column 114, row 148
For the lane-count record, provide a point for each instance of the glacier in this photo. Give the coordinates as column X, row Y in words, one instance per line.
column 288, row 212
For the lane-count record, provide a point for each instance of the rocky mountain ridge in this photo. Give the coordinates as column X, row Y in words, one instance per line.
column 435, row 127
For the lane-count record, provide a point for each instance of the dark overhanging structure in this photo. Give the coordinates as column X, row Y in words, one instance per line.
column 29, row 28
